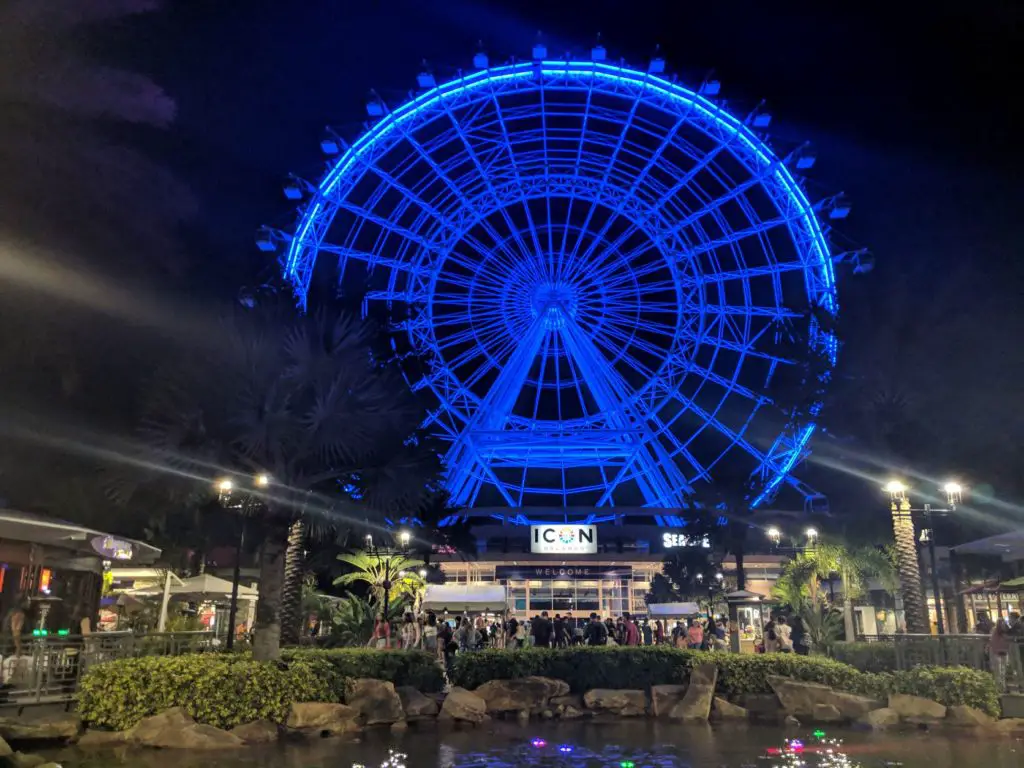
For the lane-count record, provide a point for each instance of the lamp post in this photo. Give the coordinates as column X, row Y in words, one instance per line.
column 225, row 487
column 906, row 553
column 385, row 561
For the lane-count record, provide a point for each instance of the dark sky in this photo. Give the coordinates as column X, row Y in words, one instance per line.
column 153, row 183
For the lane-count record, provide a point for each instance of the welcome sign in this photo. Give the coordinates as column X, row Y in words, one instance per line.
column 565, row 539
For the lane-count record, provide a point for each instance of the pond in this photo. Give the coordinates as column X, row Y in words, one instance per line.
column 619, row 744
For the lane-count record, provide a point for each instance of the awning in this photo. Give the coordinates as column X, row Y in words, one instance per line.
column 1017, row 583
column 672, row 610
column 1009, row 546
column 464, row 598
column 197, row 588
column 40, row 529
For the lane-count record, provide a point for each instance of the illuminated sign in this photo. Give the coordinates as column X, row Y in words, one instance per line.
column 672, row 540
column 563, row 572
column 563, row 539
column 111, row 548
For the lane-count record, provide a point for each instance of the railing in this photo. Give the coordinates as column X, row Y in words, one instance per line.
column 960, row 651
column 46, row 670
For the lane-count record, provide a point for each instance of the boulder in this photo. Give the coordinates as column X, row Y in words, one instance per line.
column 25, row 760
column 827, row 713
column 64, row 727
column 961, row 715
column 798, row 698
column 399, row 726
column 5, row 748
column 570, row 700
column 464, row 705
column 322, row 718
column 572, row 713
column 700, row 693
column 880, row 719
column 915, row 709
column 257, row 732
column 791, row 722
column 94, row 738
column 664, row 697
column 415, row 704
column 200, row 736
column 1010, row 726
column 726, row 710
column 528, row 693
column 161, row 728
column 375, row 700
column 624, row 703
column 762, row 706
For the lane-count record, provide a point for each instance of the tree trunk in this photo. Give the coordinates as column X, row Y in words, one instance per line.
column 909, row 569
column 267, row 629
column 291, row 596
column 848, row 627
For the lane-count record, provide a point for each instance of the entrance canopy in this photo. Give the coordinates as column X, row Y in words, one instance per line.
column 465, row 598
column 672, row 610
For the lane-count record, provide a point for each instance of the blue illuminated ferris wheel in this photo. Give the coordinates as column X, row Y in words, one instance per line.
column 598, row 273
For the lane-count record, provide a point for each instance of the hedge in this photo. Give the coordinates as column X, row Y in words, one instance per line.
column 867, row 657
column 418, row 669
column 223, row 690
column 738, row 674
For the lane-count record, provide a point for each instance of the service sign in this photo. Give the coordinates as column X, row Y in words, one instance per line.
column 565, row 539
column 673, row 540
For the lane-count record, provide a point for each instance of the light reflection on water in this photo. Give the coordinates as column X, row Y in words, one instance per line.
column 619, row 744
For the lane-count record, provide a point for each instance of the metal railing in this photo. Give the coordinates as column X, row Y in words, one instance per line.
column 960, row 651
column 46, row 670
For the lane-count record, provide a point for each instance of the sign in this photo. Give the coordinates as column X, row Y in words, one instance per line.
column 566, row 539
column 111, row 548
column 563, row 572
column 673, row 540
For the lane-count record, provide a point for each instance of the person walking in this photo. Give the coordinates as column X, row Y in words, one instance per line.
column 380, row 638
column 659, row 632
column 511, row 632
column 999, row 651
column 630, row 632
column 694, row 635
column 410, row 634
column 596, row 632
column 542, row 630
column 561, row 632
column 647, row 633
column 984, row 625
column 799, row 637
column 784, row 633
column 679, row 635
column 770, row 642
column 430, row 633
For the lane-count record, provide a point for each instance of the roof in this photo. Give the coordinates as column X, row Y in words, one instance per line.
column 1009, row 546
column 673, row 609
column 460, row 598
column 41, row 529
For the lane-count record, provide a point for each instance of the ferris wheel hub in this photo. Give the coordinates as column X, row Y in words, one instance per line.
column 555, row 302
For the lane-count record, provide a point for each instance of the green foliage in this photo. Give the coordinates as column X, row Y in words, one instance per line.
column 587, row 668
column 353, row 620
column 416, row 668
column 223, row 690
column 400, row 571
column 867, row 657
column 824, row 626
column 950, row 686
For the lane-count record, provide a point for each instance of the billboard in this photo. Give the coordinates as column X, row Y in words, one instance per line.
column 563, row 539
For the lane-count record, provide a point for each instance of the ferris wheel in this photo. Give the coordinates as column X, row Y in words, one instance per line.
column 598, row 272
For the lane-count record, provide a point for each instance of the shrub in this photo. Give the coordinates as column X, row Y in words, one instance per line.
column 867, row 657
column 223, row 690
column 416, row 668
column 950, row 686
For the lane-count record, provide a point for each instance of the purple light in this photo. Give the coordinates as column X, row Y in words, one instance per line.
column 539, row 743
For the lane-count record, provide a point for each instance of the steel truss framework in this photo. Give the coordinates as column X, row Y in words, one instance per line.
column 600, row 269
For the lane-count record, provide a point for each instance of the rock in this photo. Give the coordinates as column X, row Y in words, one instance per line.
column 529, row 693
column 915, row 709
column 25, row 760
column 1009, row 726
column 880, row 719
column 572, row 713
column 791, row 722
column 523, row 716
column 696, row 704
column 799, row 698
column 464, row 705
column 826, row 713
column 963, row 716
column 93, row 738
column 415, row 704
column 624, row 703
column 376, row 700
column 58, row 728
column 5, row 748
column 664, row 697
column 161, row 728
column 200, row 736
column 547, row 714
column 570, row 700
column 257, row 732
column 726, row 710
column 763, row 706
column 322, row 718
column 399, row 726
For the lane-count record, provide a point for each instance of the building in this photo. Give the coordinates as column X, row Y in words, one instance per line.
column 582, row 563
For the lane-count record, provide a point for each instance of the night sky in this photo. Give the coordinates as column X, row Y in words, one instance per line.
column 140, row 152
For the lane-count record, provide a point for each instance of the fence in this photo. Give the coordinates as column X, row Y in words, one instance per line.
column 46, row 670
column 958, row 651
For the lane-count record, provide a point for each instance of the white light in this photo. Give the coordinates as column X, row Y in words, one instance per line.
column 719, row 576
column 402, row 574
column 423, row 573
column 225, row 485
column 262, row 480
column 895, row 487
column 953, row 488
column 774, row 533
column 404, row 537
column 811, row 533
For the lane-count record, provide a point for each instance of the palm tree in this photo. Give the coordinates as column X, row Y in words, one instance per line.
column 303, row 399
column 353, row 619
column 401, row 571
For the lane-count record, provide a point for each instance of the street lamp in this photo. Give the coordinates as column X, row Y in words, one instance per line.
column 774, row 534
column 423, row 573
column 811, row 534
column 404, row 537
column 906, row 552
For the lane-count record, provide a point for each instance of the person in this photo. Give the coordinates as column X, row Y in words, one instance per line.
column 596, row 632
column 578, row 632
column 647, row 633
column 430, row 633
column 410, row 632
column 630, row 632
column 783, row 631
column 561, row 634
column 659, row 632
column 521, row 637
column 984, row 625
column 999, row 651
column 1016, row 626
column 380, row 638
column 445, row 637
column 542, row 630
column 511, row 631
column 694, row 635
column 679, row 635
column 721, row 640
column 771, row 639
column 799, row 637
column 620, row 631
